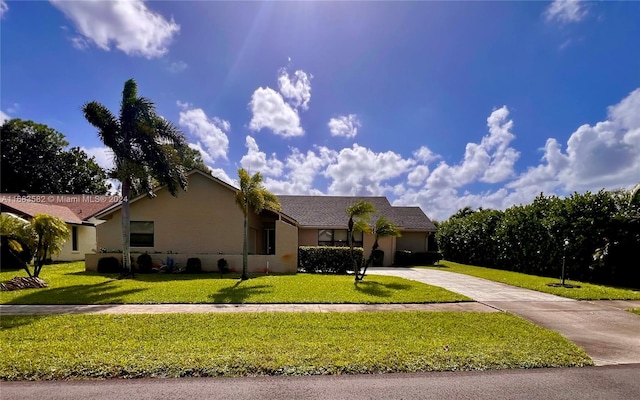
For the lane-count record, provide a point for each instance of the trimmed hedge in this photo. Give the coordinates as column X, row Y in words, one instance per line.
column 406, row 258
column 194, row 265
column 327, row 259
column 145, row 264
column 109, row 265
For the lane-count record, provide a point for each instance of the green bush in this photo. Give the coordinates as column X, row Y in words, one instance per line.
column 602, row 233
column 194, row 265
column 406, row 258
column 223, row 266
column 145, row 264
column 377, row 258
column 328, row 260
column 109, row 265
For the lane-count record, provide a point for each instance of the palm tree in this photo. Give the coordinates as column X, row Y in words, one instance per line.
column 383, row 228
column 252, row 193
column 359, row 214
column 148, row 150
column 41, row 237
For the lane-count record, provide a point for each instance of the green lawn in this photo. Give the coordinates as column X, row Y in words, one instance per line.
column 244, row 344
column 586, row 291
column 70, row 284
column 635, row 310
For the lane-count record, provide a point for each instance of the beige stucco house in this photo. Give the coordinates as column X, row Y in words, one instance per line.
column 204, row 222
column 322, row 220
column 76, row 210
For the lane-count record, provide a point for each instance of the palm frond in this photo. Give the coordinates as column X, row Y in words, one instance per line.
column 385, row 228
column 361, row 208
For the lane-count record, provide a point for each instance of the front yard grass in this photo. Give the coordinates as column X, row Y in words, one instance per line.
column 247, row 344
column 586, row 291
column 70, row 284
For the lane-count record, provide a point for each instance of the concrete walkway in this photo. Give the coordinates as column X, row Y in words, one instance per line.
column 10, row 309
column 608, row 333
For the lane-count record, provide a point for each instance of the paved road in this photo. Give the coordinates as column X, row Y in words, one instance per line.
column 608, row 333
column 612, row 383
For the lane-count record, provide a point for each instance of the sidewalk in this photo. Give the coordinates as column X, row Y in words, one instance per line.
column 10, row 309
column 604, row 329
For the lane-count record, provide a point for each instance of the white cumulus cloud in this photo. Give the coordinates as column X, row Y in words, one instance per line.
column 256, row 160
column 605, row 155
column 296, row 88
column 490, row 161
column 302, row 169
column 566, row 11
column 210, row 133
column 363, row 172
column 344, row 125
column 103, row 155
column 270, row 111
column 4, row 117
column 128, row 25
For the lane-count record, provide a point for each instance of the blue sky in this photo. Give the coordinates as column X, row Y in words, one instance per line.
column 437, row 104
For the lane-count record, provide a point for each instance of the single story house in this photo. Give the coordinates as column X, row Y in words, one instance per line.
column 322, row 221
column 205, row 222
column 76, row 210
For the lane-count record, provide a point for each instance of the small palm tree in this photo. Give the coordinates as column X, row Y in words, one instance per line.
column 383, row 228
column 359, row 214
column 252, row 193
column 43, row 236
column 148, row 151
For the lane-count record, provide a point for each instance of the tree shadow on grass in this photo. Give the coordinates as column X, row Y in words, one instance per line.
column 238, row 294
column 377, row 289
column 15, row 321
column 100, row 293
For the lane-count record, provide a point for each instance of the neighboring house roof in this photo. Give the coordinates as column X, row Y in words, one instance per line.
column 330, row 211
column 412, row 218
column 72, row 208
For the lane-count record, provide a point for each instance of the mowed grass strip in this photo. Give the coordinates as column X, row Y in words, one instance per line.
column 246, row 344
column 70, row 284
column 586, row 291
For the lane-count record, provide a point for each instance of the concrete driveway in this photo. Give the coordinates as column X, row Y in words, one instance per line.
column 608, row 333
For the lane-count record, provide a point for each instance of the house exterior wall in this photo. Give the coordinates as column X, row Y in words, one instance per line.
column 205, row 219
column 307, row 237
column 203, row 222
column 412, row 241
column 86, row 244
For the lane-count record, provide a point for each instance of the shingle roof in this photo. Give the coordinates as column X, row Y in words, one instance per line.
column 330, row 211
column 31, row 209
column 73, row 208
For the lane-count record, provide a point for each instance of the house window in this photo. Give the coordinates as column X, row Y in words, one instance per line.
column 338, row 237
column 74, row 238
column 141, row 234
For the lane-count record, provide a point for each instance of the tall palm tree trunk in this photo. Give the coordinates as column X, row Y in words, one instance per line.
column 245, row 246
column 126, row 230
column 369, row 259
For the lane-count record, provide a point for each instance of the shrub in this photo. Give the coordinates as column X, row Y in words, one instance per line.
column 223, row 266
column 194, row 265
column 109, row 265
column 145, row 264
column 377, row 258
column 406, row 258
column 328, row 260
